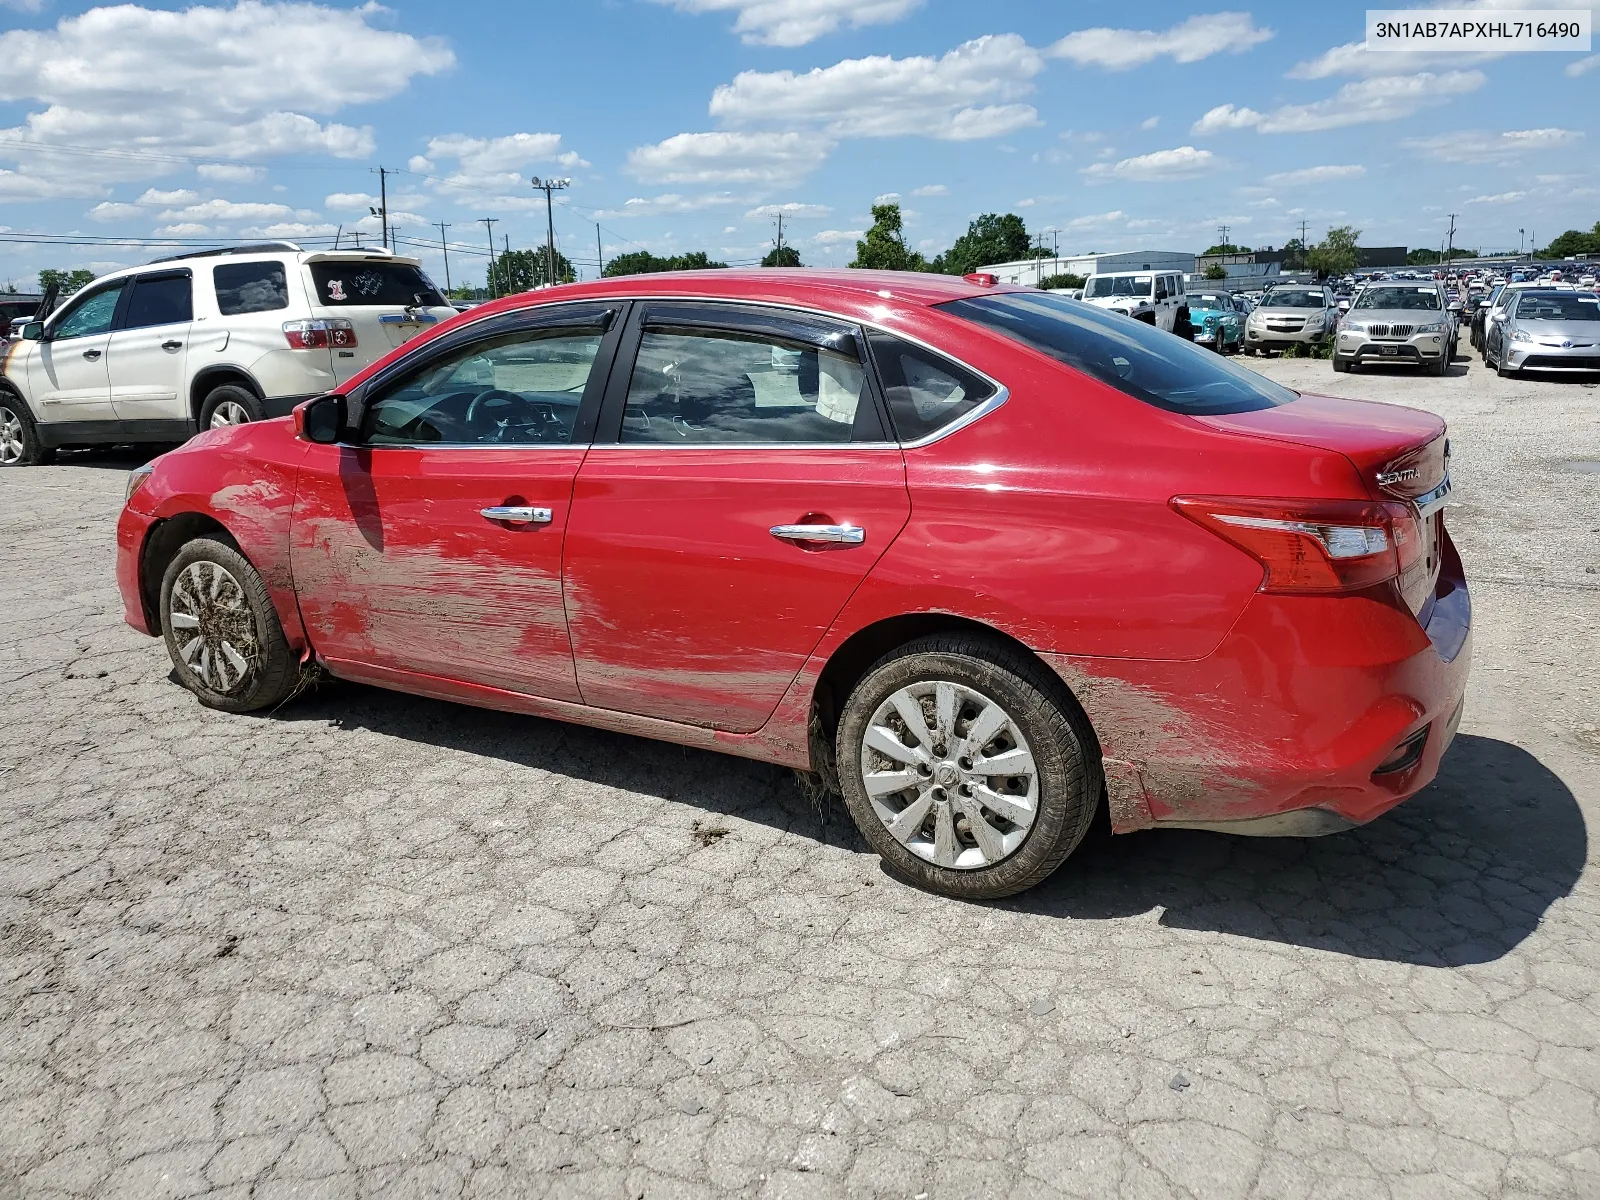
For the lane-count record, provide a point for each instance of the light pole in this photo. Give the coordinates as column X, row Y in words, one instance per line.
column 547, row 186
column 445, row 246
column 488, row 223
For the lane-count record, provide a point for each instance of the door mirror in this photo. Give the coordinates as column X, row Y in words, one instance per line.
column 32, row 331
column 321, row 420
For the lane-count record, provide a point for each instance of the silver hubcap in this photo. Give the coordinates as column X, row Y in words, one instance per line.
column 213, row 627
column 950, row 775
column 229, row 412
column 10, row 437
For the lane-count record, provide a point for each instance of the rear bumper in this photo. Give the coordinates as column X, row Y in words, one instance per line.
column 1286, row 729
column 282, row 406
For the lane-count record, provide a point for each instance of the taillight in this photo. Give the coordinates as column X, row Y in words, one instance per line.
column 1313, row 545
column 320, row 333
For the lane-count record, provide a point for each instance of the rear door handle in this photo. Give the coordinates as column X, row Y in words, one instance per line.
column 516, row 514
column 91, row 355
column 839, row 535
column 172, row 345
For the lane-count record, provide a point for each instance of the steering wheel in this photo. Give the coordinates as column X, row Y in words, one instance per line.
column 498, row 397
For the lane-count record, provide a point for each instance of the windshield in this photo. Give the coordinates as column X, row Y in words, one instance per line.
column 1421, row 299
column 1560, row 306
column 1120, row 285
column 1138, row 359
column 1209, row 300
column 1293, row 299
column 363, row 282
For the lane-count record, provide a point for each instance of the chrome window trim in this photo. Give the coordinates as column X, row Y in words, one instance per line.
column 1000, row 396
column 745, row 446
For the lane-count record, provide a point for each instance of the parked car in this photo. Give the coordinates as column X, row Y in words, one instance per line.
column 1479, row 317
column 1215, row 321
column 1397, row 323
column 1154, row 297
column 981, row 557
column 1546, row 330
column 15, row 311
column 1291, row 316
column 154, row 353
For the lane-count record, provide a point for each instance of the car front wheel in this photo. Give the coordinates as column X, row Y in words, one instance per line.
column 19, row 436
column 967, row 767
column 222, row 632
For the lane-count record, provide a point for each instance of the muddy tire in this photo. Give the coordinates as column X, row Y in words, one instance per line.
column 1000, row 782
column 229, row 404
column 19, row 434
column 222, row 632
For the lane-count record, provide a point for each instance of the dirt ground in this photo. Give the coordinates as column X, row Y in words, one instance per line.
column 375, row 945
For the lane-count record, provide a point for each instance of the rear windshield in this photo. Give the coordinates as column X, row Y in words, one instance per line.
column 1131, row 356
column 348, row 284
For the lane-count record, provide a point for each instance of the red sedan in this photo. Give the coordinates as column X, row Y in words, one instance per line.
column 983, row 558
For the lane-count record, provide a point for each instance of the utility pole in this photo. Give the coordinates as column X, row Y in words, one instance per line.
column 1451, row 237
column 1222, row 234
column 382, row 211
column 445, row 246
column 1521, row 241
column 599, row 253
column 489, row 224
column 779, row 256
column 506, row 258
column 547, row 186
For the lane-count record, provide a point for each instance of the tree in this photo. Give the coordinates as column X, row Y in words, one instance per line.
column 523, row 270
column 884, row 247
column 1572, row 243
column 1063, row 280
column 1336, row 253
column 990, row 239
column 782, row 256
column 1216, row 271
column 1294, row 254
column 642, row 262
column 67, row 281
column 1225, row 248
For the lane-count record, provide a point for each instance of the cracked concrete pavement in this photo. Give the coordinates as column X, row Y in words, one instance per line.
column 377, row 945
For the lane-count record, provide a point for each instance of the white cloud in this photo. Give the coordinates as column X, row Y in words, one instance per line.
column 420, row 165
column 494, row 166
column 245, row 81
column 931, row 189
column 229, row 210
column 230, row 173
column 887, row 198
column 183, row 229
column 796, row 22
column 1224, row 117
column 1149, row 122
column 1096, row 220
column 1353, row 58
column 792, row 209
column 166, row 199
column 1476, row 146
column 671, row 203
column 1197, row 38
column 1383, row 98
column 953, row 97
column 764, row 159
column 107, row 211
column 1583, row 66
column 1315, row 175
column 350, row 201
column 292, row 229
column 1499, row 198
column 1184, row 162
column 834, row 237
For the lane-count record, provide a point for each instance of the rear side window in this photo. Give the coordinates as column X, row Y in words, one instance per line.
column 926, row 391
column 250, row 288
column 163, row 301
column 1141, row 360
column 356, row 283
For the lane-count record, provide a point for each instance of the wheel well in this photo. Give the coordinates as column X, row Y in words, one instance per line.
column 161, row 546
column 212, row 378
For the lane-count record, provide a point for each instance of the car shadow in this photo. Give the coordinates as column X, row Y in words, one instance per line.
column 1461, row 873
column 111, row 458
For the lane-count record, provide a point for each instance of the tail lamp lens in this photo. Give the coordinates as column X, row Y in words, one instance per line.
column 319, row 334
column 1313, row 545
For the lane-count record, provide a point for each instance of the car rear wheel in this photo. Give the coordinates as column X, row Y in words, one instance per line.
column 227, row 405
column 222, row 632
column 967, row 767
column 19, row 436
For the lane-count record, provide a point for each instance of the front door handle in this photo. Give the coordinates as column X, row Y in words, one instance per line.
column 516, row 514
column 839, row 535
column 174, row 344
column 91, row 355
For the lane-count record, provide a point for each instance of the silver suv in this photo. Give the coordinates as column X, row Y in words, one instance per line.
column 1291, row 315
column 1397, row 322
column 158, row 352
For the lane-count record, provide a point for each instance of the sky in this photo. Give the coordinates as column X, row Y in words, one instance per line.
column 692, row 124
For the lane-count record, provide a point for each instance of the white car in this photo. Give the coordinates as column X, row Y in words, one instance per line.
column 1155, row 297
column 158, row 352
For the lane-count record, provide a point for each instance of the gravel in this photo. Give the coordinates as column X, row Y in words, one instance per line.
column 376, row 945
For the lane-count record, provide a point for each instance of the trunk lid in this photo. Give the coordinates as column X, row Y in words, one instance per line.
column 1401, row 454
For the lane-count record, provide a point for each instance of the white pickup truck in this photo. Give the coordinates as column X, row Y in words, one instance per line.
column 1155, row 297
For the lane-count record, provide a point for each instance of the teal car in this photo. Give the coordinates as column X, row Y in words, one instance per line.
column 1216, row 321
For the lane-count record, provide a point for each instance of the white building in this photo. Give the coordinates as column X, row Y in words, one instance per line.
column 1029, row 271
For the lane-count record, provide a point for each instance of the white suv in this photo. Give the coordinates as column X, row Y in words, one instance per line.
column 1155, row 297
column 156, row 353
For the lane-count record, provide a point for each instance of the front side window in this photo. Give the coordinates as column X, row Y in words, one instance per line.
column 161, row 301
column 93, row 314
column 365, row 282
column 721, row 386
column 250, row 288
column 1294, row 298
column 1131, row 356
column 521, row 388
column 926, row 391
column 1405, row 298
